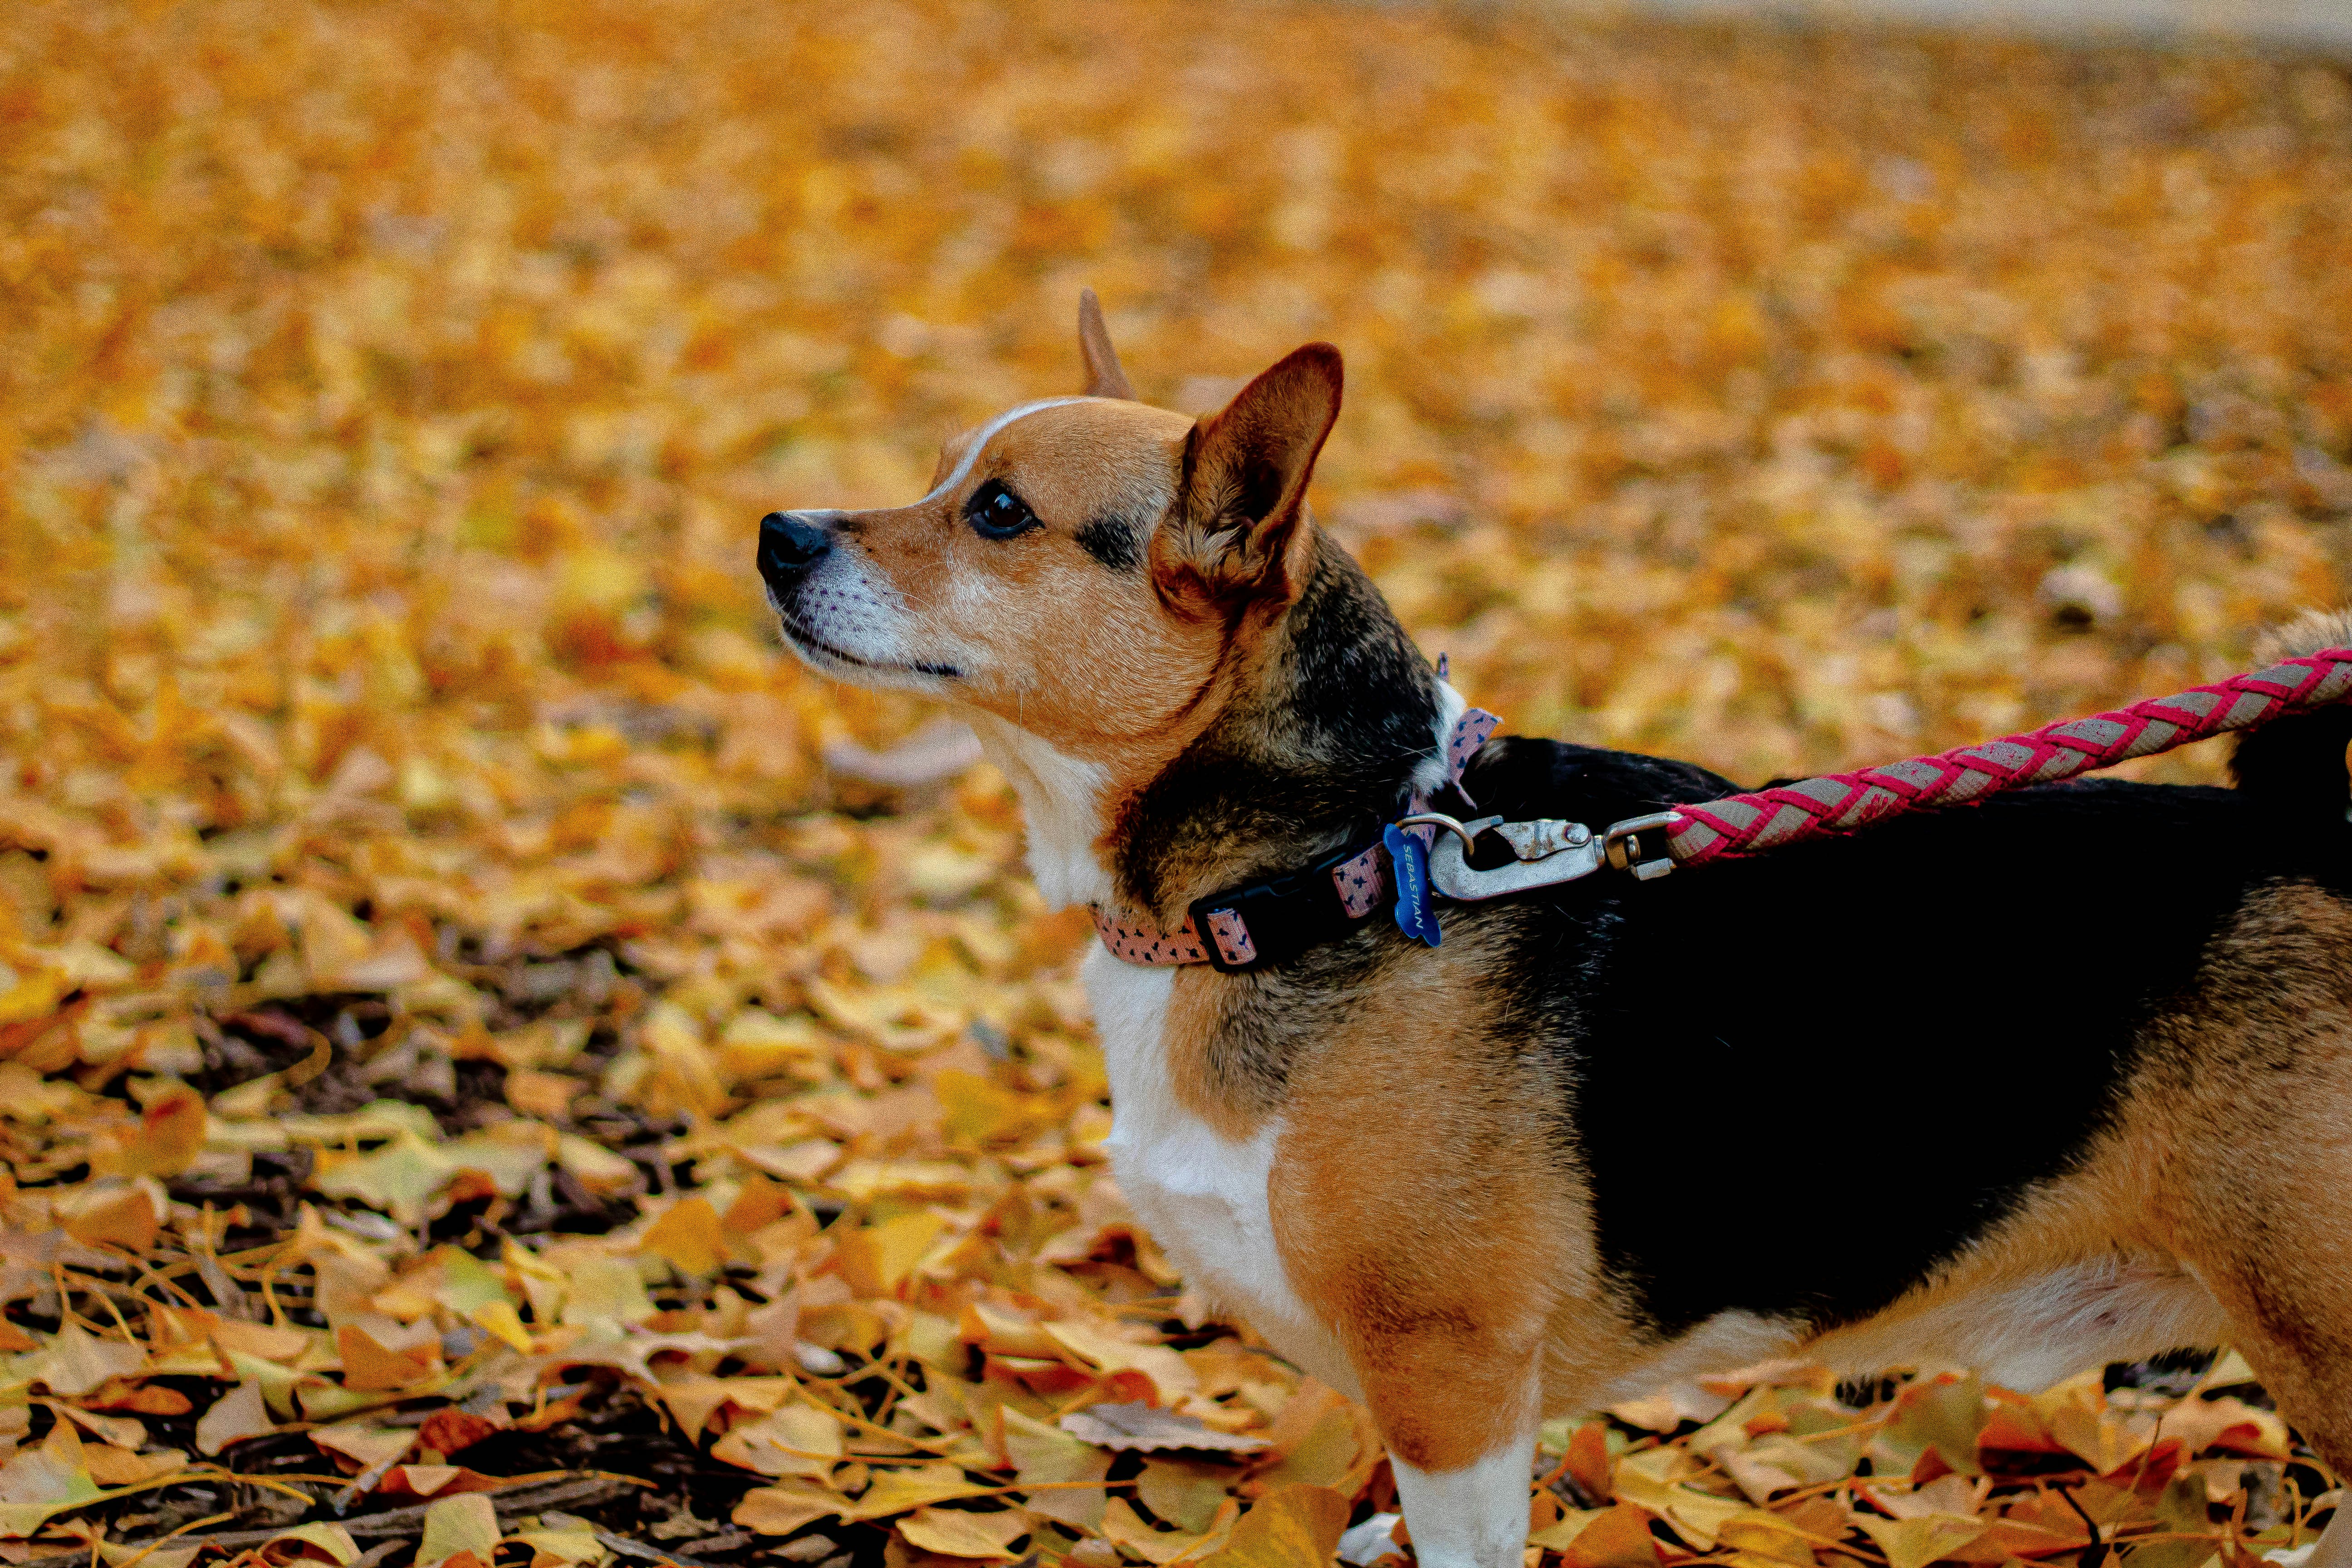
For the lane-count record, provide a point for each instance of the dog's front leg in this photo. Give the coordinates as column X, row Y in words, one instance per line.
column 1474, row 1516
column 1449, row 1361
column 1458, row 1414
column 1437, row 1269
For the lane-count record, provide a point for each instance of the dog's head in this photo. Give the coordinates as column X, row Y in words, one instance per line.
column 1180, row 675
column 1083, row 567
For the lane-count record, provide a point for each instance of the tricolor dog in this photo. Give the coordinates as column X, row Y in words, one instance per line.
column 2060, row 1079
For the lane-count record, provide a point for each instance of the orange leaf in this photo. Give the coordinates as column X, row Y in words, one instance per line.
column 687, row 1237
column 169, row 1135
column 1617, row 1538
column 369, row 1366
column 141, row 1399
column 126, row 1216
column 1588, row 1459
column 453, row 1431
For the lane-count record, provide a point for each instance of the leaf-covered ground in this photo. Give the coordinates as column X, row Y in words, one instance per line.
column 475, row 1087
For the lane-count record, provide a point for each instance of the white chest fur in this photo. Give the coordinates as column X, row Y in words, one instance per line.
column 1201, row 1195
column 1062, row 798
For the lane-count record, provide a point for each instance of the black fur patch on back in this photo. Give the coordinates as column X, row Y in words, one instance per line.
column 2295, row 765
column 1797, row 1083
column 1114, row 542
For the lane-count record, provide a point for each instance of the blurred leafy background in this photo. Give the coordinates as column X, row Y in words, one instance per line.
column 388, row 395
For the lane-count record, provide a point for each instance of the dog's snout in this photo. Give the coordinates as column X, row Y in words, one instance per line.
column 789, row 545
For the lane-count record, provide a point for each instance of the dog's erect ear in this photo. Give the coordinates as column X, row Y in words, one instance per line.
column 1237, row 531
column 1103, row 378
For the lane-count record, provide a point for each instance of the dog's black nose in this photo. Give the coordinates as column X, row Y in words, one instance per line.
column 790, row 545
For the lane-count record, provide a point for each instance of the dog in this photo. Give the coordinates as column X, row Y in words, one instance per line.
column 2058, row 1078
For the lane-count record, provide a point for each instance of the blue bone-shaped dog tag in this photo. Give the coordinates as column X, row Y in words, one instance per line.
column 1410, row 858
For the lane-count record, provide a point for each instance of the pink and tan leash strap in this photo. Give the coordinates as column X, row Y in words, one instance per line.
column 1741, row 824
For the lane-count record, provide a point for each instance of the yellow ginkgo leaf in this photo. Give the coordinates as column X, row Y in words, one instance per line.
column 1284, row 1529
column 966, row 1532
column 1927, row 1538
column 687, row 1237
column 234, row 1416
column 77, row 1361
column 464, row 1523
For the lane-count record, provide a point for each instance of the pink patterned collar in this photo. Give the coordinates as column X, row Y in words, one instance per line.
column 1266, row 921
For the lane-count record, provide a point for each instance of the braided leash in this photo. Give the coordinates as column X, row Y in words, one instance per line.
column 1741, row 824
column 1548, row 852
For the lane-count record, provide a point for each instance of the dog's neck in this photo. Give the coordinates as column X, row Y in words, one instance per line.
column 1062, row 797
column 1339, row 723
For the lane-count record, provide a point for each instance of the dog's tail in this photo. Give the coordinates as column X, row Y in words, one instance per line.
column 2296, row 764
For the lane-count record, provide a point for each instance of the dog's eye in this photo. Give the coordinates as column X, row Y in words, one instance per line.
column 995, row 512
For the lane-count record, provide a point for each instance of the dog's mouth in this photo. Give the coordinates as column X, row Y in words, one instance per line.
column 809, row 643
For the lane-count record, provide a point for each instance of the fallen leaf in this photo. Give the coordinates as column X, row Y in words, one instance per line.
column 687, row 1237
column 1043, row 1455
column 1926, row 1538
column 458, row 1524
column 502, row 1322
column 876, row 1262
column 1616, row 1537
column 332, row 1541
column 77, row 1362
column 1670, row 1406
column 1943, row 1414
column 2228, row 1426
column 453, row 1431
column 607, row 1294
column 901, row 1492
column 545, row 1095
column 111, row 1466
column 1766, row 1535
column 434, row 1482
column 368, row 1364
column 1125, row 1529
column 142, row 1398
column 1139, row 1427
column 38, row 1483
column 372, row 1448
column 168, row 1136
column 795, row 1440
column 396, row 1178
column 1286, row 1529
column 784, row 1508
column 1184, row 1492
column 549, row 1548
column 966, row 1532
column 52, row 1472
column 235, row 1415
column 262, row 1341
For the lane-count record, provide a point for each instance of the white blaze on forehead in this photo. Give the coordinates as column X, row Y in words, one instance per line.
column 988, row 433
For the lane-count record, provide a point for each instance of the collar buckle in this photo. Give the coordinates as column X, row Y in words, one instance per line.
column 1249, row 927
